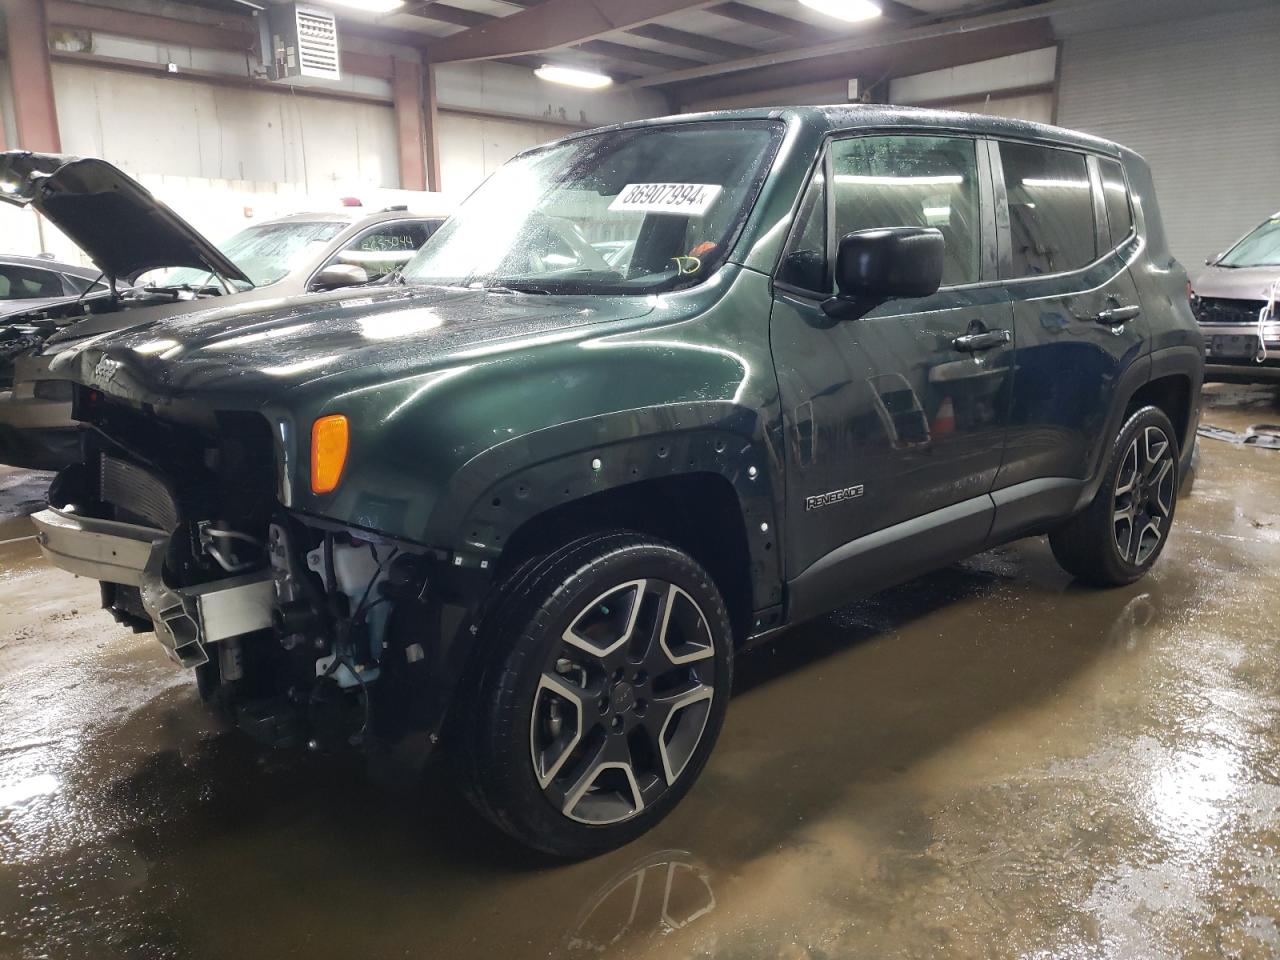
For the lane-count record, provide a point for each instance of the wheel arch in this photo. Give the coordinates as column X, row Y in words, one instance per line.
column 697, row 512
column 703, row 476
column 1177, row 373
column 1169, row 378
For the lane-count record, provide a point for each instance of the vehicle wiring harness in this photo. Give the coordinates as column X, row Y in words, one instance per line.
column 1266, row 315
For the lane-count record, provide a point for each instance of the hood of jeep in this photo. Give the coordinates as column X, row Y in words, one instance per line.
column 252, row 354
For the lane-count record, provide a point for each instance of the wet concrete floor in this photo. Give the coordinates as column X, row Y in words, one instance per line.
column 988, row 762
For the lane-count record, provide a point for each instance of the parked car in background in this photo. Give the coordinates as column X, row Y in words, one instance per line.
column 534, row 501
column 30, row 282
column 278, row 258
column 1236, row 300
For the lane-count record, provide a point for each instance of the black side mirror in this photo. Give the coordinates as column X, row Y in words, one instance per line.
column 337, row 275
column 889, row 263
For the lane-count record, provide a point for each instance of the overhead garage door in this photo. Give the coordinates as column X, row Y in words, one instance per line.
column 1200, row 99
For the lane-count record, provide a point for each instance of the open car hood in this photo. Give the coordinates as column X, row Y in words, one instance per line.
column 112, row 217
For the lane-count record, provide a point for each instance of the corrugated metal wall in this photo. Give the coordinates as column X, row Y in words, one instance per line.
column 1200, row 99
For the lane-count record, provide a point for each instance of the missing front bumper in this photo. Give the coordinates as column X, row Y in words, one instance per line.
column 185, row 618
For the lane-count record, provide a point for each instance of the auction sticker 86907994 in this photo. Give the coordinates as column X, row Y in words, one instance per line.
column 688, row 198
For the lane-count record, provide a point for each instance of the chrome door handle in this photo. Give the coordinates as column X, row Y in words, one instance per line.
column 1118, row 315
column 973, row 342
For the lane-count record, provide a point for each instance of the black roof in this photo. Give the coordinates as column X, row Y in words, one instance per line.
column 854, row 116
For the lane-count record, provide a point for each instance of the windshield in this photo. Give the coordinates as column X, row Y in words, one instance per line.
column 1259, row 249
column 627, row 211
column 266, row 253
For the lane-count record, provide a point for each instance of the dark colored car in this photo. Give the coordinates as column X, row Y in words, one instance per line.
column 274, row 259
column 534, row 500
column 27, row 282
column 1236, row 298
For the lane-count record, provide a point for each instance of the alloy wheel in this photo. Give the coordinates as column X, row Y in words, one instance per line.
column 622, row 702
column 1144, row 495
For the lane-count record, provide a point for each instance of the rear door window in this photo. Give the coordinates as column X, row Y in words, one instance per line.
column 28, row 283
column 1050, row 209
column 1116, row 195
column 912, row 181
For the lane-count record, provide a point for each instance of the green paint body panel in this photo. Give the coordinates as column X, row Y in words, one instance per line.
column 474, row 411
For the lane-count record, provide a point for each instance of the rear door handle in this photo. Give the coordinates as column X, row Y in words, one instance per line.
column 1118, row 315
column 973, row 342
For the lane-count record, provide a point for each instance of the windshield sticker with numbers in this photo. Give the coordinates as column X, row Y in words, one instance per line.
column 693, row 199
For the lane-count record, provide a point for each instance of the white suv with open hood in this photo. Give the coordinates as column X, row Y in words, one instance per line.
column 158, row 266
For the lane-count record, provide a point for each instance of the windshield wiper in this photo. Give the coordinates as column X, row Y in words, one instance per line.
column 517, row 287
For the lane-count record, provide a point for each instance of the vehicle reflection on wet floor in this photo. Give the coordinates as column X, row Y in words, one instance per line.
column 986, row 761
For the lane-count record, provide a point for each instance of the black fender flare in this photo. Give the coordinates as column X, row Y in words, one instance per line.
column 1181, row 359
column 509, row 484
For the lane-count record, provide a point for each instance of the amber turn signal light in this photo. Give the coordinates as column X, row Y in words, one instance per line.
column 329, row 438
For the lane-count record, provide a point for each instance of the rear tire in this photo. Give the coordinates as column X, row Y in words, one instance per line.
column 607, row 671
column 1122, row 532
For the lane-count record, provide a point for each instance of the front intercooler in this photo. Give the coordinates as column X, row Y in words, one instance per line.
column 139, row 493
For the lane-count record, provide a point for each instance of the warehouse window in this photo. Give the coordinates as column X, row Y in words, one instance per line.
column 1116, row 194
column 912, row 182
column 1050, row 209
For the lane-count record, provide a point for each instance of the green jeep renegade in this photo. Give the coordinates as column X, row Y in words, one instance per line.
column 653, row 393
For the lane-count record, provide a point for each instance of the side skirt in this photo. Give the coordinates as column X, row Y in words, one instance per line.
column 889, row 556
column 914, row 547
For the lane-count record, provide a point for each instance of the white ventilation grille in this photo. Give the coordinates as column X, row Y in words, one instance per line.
column 317, row 44
column 303, row 44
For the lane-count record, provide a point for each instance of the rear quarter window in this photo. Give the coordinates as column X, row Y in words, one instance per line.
column 1116, row 194
column 1050, row 209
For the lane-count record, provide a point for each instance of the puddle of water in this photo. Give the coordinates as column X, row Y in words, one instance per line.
column 989, row 761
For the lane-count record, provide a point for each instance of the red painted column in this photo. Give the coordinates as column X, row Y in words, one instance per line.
column 406, row 96
column 34, row 113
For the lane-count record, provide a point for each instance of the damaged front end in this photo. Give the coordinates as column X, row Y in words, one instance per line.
column 305, row 630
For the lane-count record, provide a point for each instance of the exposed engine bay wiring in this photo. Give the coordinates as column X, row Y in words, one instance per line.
column 1265, row 316
column 344, row 659
column 227, row 563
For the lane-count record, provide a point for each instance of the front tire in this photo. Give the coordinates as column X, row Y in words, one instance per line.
column 1121, row 534
column 607, row 672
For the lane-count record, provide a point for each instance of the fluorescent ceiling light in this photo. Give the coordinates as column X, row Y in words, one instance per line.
column 574, row 78
column 1054, row 183
column 850, row 11
column 370, row 6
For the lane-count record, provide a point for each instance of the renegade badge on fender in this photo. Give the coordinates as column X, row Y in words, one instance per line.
column 653, row 393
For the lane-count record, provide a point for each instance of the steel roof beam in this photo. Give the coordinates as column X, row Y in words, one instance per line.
column 692, row 41
column 866, row 40
column 447, row 14
column 648, row 58
column 552, row 24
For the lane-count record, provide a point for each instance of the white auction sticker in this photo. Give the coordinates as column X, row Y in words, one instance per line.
column 689, row 198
